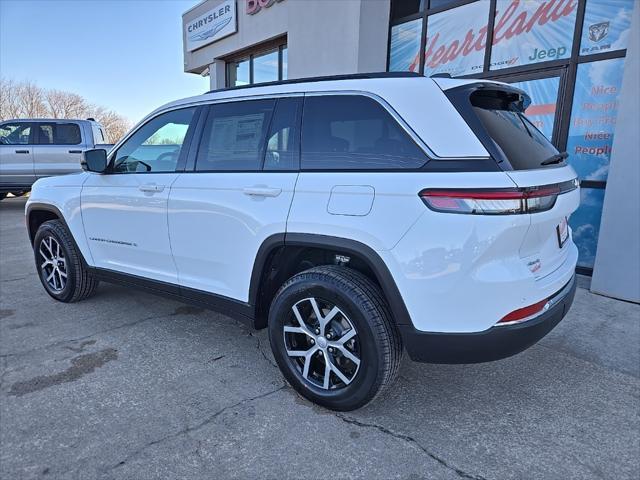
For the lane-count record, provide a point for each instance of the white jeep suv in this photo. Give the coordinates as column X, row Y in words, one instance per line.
column 353, row 217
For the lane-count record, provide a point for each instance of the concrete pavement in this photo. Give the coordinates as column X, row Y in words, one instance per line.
column 128, row 385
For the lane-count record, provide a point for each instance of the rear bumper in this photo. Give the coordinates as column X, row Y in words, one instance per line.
column 492, row 344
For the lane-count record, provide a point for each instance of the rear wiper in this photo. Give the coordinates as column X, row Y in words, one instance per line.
column 557, row 158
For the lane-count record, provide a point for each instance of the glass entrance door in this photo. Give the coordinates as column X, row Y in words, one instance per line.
column 544, row 88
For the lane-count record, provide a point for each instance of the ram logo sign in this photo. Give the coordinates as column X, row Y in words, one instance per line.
column 211, row 26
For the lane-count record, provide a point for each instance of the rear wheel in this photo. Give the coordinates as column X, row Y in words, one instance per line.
column 333, row 338
column 59, row 264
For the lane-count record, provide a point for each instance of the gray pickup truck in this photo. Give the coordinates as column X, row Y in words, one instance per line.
column 34, row 148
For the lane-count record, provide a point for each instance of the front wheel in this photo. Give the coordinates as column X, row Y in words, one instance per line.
column 333, row 337
column 59, row 263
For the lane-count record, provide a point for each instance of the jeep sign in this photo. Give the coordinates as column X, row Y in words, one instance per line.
column 211, row 26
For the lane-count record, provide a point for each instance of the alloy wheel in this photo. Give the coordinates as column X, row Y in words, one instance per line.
column 54, row 264
column 322, row 343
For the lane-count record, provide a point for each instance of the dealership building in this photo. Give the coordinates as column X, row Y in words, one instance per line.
column 577, row 59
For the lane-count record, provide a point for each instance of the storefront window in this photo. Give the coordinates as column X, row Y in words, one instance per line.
column 593, row 117
column 285, row 63
column 544, row 97
column 532, row 31
column 238, row 73
column 265, row 67
column 456, row 40
column 260, row 67
column 606, row 26
column 405, row 47
column 404, row 8
column 439, row 3
column 585, row 223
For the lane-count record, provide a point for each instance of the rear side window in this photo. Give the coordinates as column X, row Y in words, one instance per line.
column 234, row 135
column 354, row 132
column 15, row 133
column 59, row 134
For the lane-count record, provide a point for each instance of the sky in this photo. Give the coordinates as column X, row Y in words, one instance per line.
column 125, row 55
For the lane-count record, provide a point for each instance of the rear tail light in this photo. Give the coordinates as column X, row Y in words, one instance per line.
column 525, row 313
column 495, row 201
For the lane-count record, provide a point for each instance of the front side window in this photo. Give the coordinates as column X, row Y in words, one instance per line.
column 156, row 146
column 15, row 133
column 234, row 136
column 59, row 134
column 352, row 132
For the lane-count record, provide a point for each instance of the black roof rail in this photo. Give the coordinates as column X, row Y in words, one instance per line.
column 441, row 75
column 353, row 76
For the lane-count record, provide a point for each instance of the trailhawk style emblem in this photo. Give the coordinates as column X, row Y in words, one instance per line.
column 598, row 31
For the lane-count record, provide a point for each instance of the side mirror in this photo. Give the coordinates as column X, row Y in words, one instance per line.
column 94, row 160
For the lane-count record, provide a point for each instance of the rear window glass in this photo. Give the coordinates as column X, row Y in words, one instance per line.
column 501, row 115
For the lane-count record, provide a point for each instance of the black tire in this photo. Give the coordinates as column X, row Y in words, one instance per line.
column 79, row 283
column 363, row 305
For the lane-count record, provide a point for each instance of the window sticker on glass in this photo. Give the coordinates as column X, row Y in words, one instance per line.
column 456, row 40
column 532, row 31
column 593, row 117
column 405, row 46
column 606, row 26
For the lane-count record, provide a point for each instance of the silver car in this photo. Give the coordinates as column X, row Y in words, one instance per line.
column 35, row 148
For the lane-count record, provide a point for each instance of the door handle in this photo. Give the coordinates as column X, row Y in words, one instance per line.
column 75, row 151
column 22, row 151
column 261, row 191
column 151, row 188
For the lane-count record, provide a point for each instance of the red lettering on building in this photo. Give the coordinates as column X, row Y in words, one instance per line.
column 506, row 27
column 254, row 6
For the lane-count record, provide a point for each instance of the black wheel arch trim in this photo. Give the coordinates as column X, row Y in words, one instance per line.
column 348, row 246
column 38, row 206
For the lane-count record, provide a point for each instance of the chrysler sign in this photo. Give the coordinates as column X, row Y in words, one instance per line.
column 211, row 26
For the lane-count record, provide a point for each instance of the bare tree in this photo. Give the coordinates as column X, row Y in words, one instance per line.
column 27, row 100
column 65, row 105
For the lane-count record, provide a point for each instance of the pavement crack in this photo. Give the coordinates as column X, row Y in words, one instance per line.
column 16, row 279
column 411, row 440
column 79, row 339
column 262, row 352
column 194, row 428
